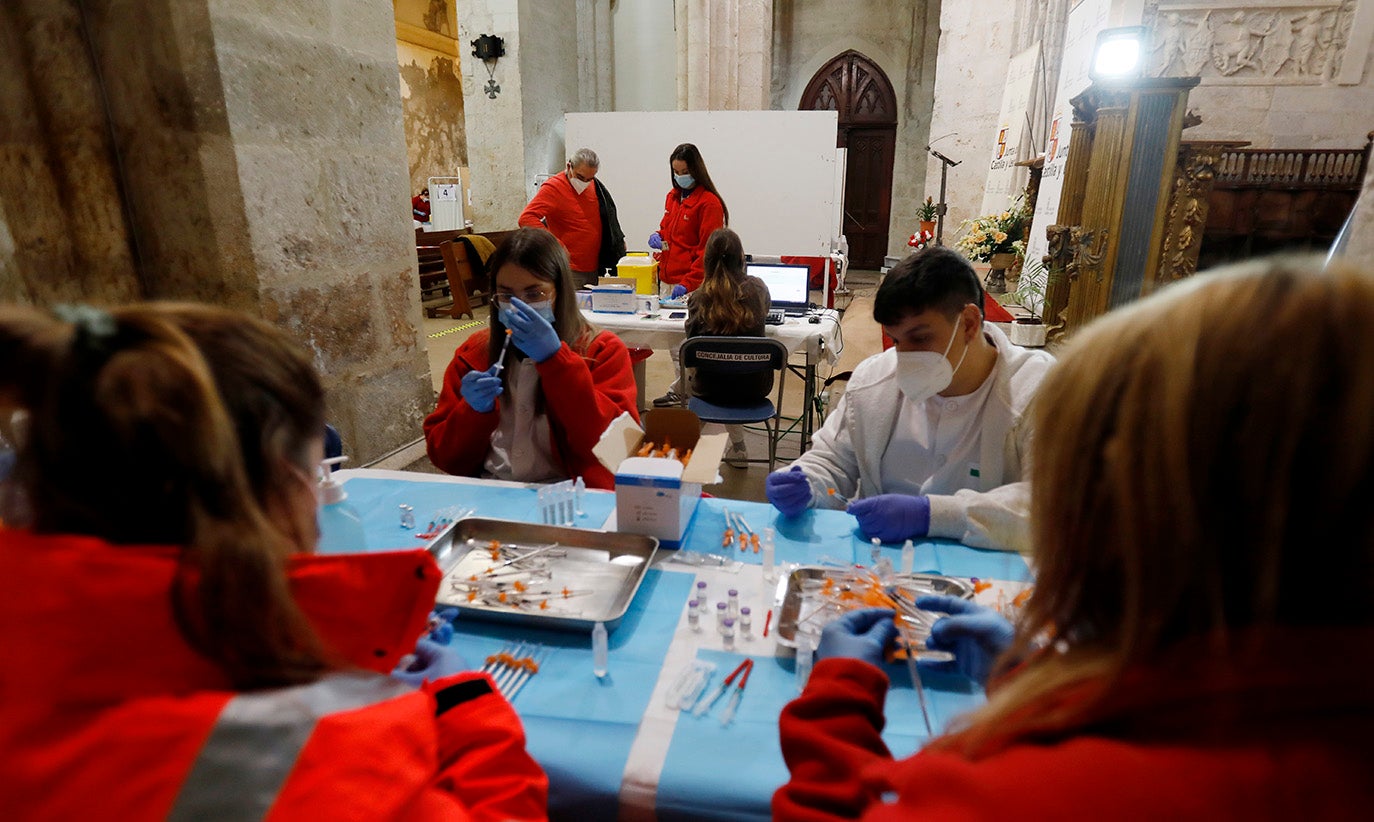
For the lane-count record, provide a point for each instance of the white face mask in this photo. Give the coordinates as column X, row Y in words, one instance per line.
column 923, row 374
column 578, row 185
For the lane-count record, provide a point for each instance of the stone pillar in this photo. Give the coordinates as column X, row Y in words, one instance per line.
column 495, row 132
column 724, row 54
column 261, row 164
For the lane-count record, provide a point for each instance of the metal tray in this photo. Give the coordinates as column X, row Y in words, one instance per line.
column 790, row 595
column 603, row 569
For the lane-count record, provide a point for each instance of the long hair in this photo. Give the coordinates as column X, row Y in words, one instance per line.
column 1192, row 452
column 696, row 167
column 176, row 425
column 539, row 252
column 720, row 302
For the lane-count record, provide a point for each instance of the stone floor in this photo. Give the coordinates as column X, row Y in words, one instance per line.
column 860, row 336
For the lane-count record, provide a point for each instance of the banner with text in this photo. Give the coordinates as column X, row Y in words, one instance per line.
column 1005, row 178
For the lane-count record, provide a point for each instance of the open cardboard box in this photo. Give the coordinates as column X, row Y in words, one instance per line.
column 656, row 496
column 614, row 295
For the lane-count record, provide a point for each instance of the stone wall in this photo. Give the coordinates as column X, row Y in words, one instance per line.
column 432, row 113
column 550, row 82
column 645, row 58
column 495, row 126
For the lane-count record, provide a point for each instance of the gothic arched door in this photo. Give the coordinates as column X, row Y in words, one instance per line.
column 854, row 86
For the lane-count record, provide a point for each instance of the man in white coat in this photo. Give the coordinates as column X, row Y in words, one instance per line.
column 931, row 436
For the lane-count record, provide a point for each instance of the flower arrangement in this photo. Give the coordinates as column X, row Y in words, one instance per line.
column 925, row 212
column 995, row 234
column 920, row 239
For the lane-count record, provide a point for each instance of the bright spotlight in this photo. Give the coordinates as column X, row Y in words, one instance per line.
column 1119, row 54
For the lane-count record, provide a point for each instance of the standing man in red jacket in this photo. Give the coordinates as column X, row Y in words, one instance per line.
column 579, row 211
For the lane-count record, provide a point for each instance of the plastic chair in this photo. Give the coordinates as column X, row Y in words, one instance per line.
column 732, row 358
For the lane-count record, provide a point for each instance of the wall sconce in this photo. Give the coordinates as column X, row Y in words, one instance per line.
column 1119, row 54
column 489, row 48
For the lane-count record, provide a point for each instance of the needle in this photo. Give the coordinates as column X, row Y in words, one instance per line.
column 501, row 360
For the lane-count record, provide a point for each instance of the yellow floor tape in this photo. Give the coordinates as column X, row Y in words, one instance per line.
column 465, row 326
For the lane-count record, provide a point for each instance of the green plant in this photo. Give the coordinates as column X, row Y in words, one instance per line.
column 995, row 234
column 926, row 211
column 1030, row 289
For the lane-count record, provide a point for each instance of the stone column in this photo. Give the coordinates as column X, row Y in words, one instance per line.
column 495, row 125
column 724, row 54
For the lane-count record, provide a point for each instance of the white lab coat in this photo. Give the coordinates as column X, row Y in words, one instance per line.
column 848, row 450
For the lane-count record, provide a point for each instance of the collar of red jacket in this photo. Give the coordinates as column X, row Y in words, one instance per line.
column 93, row 621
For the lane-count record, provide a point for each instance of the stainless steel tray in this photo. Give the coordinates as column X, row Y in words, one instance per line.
column 790, row 610
column 601, row 570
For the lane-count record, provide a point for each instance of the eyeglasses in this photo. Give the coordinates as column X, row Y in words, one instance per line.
column 529, row 295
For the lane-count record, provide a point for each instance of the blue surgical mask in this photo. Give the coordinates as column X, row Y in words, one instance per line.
column 544, row 309
column 684, row 180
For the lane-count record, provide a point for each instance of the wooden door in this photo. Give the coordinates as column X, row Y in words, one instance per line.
column 859, row 91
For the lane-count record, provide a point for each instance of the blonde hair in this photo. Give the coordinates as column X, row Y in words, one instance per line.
column 175, row 425
column 1191, row 452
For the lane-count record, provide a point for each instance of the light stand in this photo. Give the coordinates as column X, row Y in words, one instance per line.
column 945, row 164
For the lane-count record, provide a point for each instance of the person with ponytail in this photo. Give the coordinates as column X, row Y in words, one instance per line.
column 730, row 303
column 527, row 399
column 692, row 210
column 1198, row 641
column 173, row 648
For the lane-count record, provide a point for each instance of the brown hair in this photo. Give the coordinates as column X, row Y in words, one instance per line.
column 720, row 304
column 696, row 167
column 1192, row 451
column 206, row 417
column 539, row 252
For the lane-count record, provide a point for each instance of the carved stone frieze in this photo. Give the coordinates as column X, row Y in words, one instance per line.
column 1295, row 43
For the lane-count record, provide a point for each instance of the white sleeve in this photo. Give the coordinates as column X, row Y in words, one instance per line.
column 997, row 518
column 831, row 462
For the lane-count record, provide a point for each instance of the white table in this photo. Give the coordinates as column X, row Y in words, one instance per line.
column 817, row 341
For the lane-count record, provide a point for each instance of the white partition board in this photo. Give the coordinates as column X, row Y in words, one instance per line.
column 776, row 171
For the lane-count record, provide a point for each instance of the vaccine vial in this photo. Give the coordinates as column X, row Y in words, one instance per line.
column 693, row 615
column 701, row 593
column 746, row 623
column 721, row 616
column 727, row 633
column 732, row 603
column 877, row 550
column 407, row 517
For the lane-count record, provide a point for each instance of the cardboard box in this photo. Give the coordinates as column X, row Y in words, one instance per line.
column 618, row 298
column 656, row 496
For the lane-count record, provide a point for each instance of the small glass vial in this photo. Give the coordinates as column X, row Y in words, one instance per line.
column 727, row 633
column 721, row 615
column 908, row 556
column 407, row 517
column 746, row 623
column 701, row 594
column 732, row 603
column 693, row 616
column 877, row 550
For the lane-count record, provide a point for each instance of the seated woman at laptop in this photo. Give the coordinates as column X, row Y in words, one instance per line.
column 729, row 303
column 530, row 404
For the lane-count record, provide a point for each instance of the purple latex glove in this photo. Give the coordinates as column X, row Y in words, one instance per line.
column 789, row 491
column 656, row 241
column 480, row 389
column 892, row 517
column 975, row 634
column 864, row 635
column 430, row 661
column 678, row 291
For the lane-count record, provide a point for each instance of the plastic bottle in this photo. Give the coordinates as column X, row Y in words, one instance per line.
column 341, row 528
column 600, row 650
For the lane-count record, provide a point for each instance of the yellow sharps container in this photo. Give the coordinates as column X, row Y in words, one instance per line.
column 641, row 268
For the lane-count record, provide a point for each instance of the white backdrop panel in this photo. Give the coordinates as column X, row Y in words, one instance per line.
column 776, row 170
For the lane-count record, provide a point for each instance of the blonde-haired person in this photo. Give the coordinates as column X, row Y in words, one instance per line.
column 1197, row 645
column 535, row 415
column 172, row 648
column 729, row 303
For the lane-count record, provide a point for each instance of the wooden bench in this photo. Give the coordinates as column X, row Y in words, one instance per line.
column 448, row 279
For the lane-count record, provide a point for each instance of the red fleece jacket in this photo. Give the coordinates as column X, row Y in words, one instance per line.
column 686, row 225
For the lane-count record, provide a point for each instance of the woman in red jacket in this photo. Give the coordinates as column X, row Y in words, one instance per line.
column 1197, row 645
column 172, row 649
column 534, row 415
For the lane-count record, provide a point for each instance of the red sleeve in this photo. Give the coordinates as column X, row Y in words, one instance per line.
column 541, row 204
column 830, row 734
column 482, row 757
column 710, row 216
column 458, row 438
column 583, row 394
column 667, row 209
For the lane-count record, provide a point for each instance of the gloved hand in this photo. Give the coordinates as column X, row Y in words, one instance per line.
column 863, row 635
column 678, row 291
column 430, row 661
column 975, row 634
column 789, row 491
column 480, row 389
column 892, row 517
column 441, row 625
column 530, row 332
column 656, row 241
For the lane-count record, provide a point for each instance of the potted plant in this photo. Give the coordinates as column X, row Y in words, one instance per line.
column 1030, row 331
column 996, row 239
column 925, row 213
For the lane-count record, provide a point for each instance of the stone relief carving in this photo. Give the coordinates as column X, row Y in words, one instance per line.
column 1301, row 43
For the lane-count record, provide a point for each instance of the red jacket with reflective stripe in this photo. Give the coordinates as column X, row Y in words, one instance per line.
column 687, row 224
column 106, row 712
column 582, row 394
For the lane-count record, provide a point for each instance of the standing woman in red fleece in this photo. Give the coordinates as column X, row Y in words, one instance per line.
column 1199, row 639
column 535, row 415
column 691, row 212
column 172, row 649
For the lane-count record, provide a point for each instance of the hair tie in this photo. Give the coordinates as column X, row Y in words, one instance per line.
column 95, row 327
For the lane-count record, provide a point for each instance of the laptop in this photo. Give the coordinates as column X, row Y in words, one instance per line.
column 788, row 285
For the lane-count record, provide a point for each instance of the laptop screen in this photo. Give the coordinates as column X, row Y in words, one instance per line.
column 787, row 284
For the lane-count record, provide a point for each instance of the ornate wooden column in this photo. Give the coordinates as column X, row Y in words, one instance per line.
column 1057, row 261
column 1194, row 172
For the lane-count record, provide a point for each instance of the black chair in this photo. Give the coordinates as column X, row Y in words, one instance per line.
column 722, row 360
